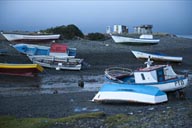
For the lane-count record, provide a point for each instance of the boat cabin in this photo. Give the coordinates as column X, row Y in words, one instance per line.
column 61, row 50
column 154, row 74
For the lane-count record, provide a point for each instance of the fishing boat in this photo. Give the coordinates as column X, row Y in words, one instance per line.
column 20, row 69
column 156, row 56
column 130, row 93
column 30, row 37
column 160, row 76
column 143, row 39
column 56, row 49
column 57, row 63
column 61, row 50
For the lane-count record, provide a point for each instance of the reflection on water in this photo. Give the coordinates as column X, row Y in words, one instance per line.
column 49, row 85
column 57, row 84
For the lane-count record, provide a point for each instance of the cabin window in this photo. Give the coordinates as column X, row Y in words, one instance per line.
column 142, row 76
column 160, row 75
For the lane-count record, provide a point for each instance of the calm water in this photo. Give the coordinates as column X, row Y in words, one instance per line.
column 185, row 36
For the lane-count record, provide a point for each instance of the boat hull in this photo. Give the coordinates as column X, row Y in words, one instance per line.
column 20, row 69
column 129, row 93
column 144, row 55
column 121, row 39
column 171, row 85
column 20, row 37
column 30, row 49
column 57, row 63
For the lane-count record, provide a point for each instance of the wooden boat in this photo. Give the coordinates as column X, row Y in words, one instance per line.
column 160, row 76
column 156, row 56
column 144, row 39
column 20, row 69
column 130, row 93
column 56, row 49
column 26, row 37
column 57, row 63
column 30, row 49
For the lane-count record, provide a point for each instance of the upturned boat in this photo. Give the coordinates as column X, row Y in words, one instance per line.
column 130, row 93
column 20, row 69
column 156, row 56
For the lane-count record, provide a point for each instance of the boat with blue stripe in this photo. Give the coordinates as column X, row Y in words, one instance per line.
column 150, row 82
column 130, row 93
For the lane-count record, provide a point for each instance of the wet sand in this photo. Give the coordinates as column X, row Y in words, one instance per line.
column 56, row 93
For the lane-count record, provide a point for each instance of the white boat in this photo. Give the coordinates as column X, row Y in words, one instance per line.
column 37, row 37
column 57, row 63
column 156, row 56
column 144, row 39
column 160, row 76
column 129, row 93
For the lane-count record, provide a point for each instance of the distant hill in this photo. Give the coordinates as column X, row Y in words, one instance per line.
column 67, row 32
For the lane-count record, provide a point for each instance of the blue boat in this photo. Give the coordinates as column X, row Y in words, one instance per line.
column 56, row 50
column 130, row 93
column 160, row 76
column 31, row 50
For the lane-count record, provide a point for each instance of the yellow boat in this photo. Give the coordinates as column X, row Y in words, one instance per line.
column 20, row 69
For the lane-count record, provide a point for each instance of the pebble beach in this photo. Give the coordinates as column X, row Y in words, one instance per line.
column 56, row 94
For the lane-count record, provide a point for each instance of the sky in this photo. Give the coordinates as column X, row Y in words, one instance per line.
column 170, row 16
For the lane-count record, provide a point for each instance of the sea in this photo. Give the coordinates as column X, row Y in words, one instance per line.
column 185, row 36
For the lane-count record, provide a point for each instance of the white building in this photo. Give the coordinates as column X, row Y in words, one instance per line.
column 143, row 29
column 120, row 29
column 108, row 30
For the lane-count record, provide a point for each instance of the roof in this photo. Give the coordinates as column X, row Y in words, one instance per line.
column 57, row 47
column 151, row 68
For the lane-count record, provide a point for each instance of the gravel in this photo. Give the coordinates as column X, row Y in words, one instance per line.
column 27, row 97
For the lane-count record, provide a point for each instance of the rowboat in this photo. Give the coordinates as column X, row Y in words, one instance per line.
column 156, row 56
column 20, row 69
column 130, row 93
column 144, row 39
column 30, row 49
column 160, row 76
column 57, row 63
column 26, row 37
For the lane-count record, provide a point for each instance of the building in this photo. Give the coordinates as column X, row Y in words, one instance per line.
column 108, row 30
column 143, row 29
column 120, row 29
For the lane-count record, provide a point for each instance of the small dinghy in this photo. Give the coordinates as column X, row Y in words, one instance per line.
column 130, row 93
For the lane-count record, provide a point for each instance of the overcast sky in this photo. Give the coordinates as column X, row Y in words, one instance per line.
column 171, row 16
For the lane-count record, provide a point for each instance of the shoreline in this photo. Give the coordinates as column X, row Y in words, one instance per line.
column 71, row 99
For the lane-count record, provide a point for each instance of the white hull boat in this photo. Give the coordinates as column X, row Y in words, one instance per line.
column 130, row 93
column 156, row 56
column 124, row 39
column 160, row 76
column 19, row 37
column 57, row 63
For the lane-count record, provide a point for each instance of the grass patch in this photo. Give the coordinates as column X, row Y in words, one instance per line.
column 119, row 119
column 12, row 122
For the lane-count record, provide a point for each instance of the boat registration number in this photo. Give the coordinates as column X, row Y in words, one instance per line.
column 179, row 83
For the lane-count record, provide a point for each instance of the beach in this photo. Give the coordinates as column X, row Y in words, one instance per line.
column 56, row 94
